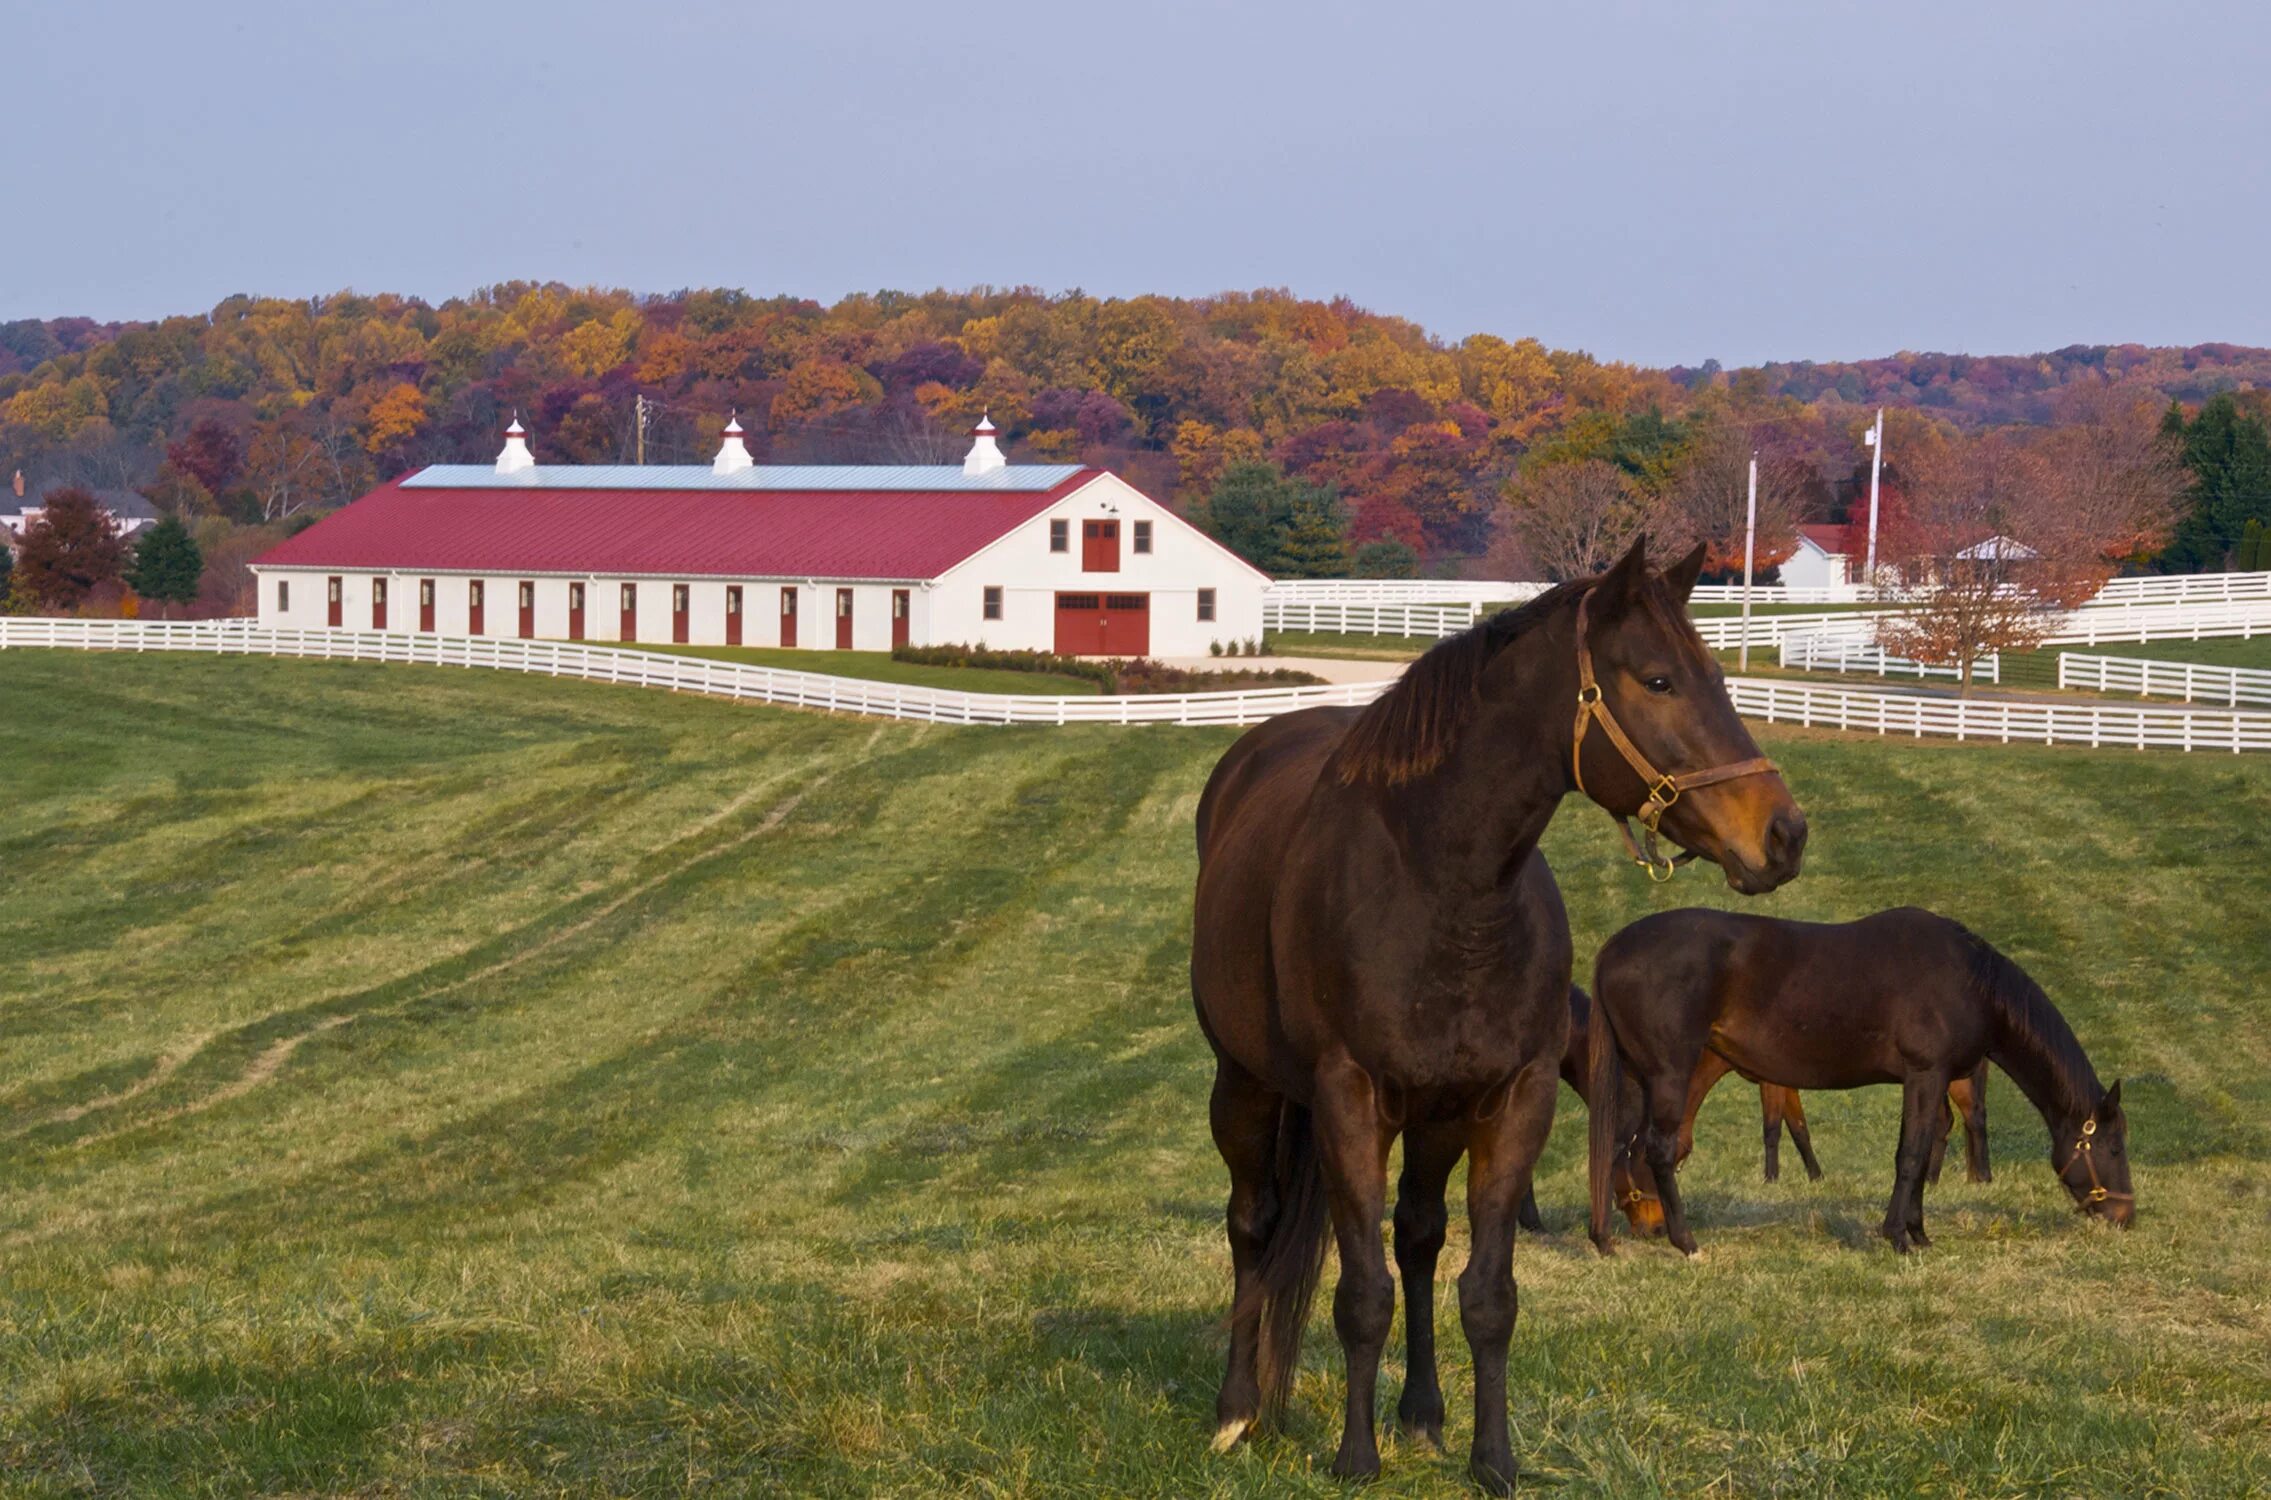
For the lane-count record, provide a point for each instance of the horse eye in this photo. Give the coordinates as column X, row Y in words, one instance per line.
column 1658, row 684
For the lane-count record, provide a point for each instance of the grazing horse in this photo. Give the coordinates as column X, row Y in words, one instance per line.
column 1378, row 950
column 1902, row 997
column 1635, row 1186
column 1967, row 1099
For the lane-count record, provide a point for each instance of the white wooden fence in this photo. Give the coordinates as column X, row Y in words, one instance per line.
column 1823, row 653
column 2190, row 680
column 1881, row 712
column 1340, row 617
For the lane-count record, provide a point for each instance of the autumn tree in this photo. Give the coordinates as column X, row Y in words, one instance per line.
column 69, row 551
column 1573, row 519
column 2116, row 479
column 167, row 564
column 1708, row 500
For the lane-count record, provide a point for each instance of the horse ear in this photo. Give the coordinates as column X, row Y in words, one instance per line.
column 1623, row 577
column 2111, row 1101
column 1680, row 576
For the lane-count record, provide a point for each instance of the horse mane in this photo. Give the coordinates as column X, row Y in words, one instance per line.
column 1412, row 728
column 2040, row 1051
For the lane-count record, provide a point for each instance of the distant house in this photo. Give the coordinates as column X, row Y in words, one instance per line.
column 129, row 512
column 1998, row 549
column 1820, row 561
column 851, row 558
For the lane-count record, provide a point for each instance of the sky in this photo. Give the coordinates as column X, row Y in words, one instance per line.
column 1661, row 183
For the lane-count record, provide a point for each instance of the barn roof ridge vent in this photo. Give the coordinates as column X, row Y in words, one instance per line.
column 515, row 458
column 985, row 455
column 733, row 453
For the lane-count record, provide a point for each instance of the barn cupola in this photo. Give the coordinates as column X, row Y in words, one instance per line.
column 516, row 456
column 985, row 455
column 733, row 453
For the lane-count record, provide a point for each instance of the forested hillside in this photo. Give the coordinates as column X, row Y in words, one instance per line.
column 1349, row 438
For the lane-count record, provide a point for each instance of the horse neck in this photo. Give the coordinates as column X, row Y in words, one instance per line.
column 1485, row 808
column 2033, row 1044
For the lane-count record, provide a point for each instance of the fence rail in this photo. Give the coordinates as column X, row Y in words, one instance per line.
column 2195, row 682
column 1339, row 617
column 1880, row 712
column 1819, row 653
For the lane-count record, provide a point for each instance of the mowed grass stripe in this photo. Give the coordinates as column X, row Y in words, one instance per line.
column 868, row 1154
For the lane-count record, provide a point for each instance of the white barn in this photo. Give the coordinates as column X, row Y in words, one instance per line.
column 858, row 557
column 1820, row 561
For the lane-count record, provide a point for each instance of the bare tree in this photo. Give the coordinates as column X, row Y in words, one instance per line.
column 1709, row 496
column 2117, row 483
column 1572, row 519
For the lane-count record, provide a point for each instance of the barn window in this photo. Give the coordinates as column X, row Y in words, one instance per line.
column 527, row 595
column 283, row 594
column 1143, row 536
column 1060, row 536
column 473, row 593
column 993, row 601
column 733, row 601
column 335, row 591
column 425, row 591
column 678, row 597
column 630, row 597
column 1206, row 604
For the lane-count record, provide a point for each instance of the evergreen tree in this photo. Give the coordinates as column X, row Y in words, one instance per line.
column 2229, row 453
column 1316, row 541
column 1388, row 557
column 167, row 563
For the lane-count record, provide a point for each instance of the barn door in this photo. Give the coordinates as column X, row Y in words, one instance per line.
column 1099, row 546
column 527, row 610
column 378, row 604
column 1103, row 624
column 575, row 611
column 628, row 621
column 473, row 606
column 733, row 614
column 335, row 606
column 901, row 605
column 426, row 605
column 843, row 619
column 788, row 618
column 681, row 613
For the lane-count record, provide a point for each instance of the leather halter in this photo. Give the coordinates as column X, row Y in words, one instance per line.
column 2098, row 1192
column 1663, row 790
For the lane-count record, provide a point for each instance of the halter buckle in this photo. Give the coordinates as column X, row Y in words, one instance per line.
column 2097, row 1195
column 1589, row 694
column 2089, row 1128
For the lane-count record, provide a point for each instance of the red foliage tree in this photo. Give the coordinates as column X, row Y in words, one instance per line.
column 69, row 551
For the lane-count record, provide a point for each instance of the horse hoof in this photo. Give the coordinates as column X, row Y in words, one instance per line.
column 1492, row 1479
column 1604, row 1246
column 1430, row 1433
column 1360, row 1468
column 1231, row 1433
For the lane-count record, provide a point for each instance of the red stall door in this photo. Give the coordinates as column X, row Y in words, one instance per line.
column 426, row 605
column 1103, row 624
column 630, row 614
column 901, row 605
column 1099, row 546
column 681, row 613
column 843, row 619
column 575, row 611
column 378, row 604
column 473, row 606
column 788, row 617
column 336, row 604
column 527, row 610
column 733, row 614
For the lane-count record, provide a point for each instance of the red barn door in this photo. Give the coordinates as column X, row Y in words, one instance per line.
column 681, row 613
column 788, row 618
column 629, row 621
column 901, row 605
column 378, row 604
column 1103, row 624
column 575, row 611
column 843, row 619
column 426, row 605
column 335, row 605
column 473, row 609
column 1099, row 546
column 733, row 614
column 527, row 610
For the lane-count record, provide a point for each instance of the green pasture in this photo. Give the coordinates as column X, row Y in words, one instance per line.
column 424, row 1082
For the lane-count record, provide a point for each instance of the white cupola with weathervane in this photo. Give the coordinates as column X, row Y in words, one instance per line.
column 733, row 453
column 985, row 455
column 516, row 458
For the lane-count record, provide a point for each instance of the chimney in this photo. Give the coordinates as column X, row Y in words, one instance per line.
column 984, row 457
column 733, row 453
column 516, row 456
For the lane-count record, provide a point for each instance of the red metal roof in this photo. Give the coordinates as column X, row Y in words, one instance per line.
column 672, row 533
column 1830, row 538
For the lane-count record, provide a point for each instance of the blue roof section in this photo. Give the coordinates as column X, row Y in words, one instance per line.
column 923, row 478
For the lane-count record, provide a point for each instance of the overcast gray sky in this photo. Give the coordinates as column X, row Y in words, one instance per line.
column 1656, row 182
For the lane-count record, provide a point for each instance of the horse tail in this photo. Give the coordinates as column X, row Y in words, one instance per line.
column 1292, row 1259
column 1604, row 1088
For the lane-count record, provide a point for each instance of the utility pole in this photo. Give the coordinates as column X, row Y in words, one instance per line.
column 639, row 421
column 1750, row 538
column 1875, row 438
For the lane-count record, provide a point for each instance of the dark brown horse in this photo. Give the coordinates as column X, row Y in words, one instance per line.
column 1778, row 1106
column 1902, row 997
column 1378, row 950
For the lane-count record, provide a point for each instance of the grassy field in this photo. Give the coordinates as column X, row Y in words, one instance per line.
column 879, row 666
column 431, row 1082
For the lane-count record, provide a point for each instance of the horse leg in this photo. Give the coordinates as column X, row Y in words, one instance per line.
column 1244, row 1115
column 1429, row 1154
column 1770, row 1099
column 1709, row 1069
column 1502, row 1150
column 1667, row 1103
column 1528, row 1217
column 1924, row 1101
column 1794, row 1115
column 1353, row 1141
column 1940, row 1140
column 1970, row 1095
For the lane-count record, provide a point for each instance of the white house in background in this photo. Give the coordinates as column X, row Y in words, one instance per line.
column 128, row 511
column 849, row 558
column 1998, row 548
column 1820, row 561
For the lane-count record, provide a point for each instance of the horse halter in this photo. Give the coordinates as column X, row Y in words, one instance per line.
column 2098, row 1192
column 1663, row 790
